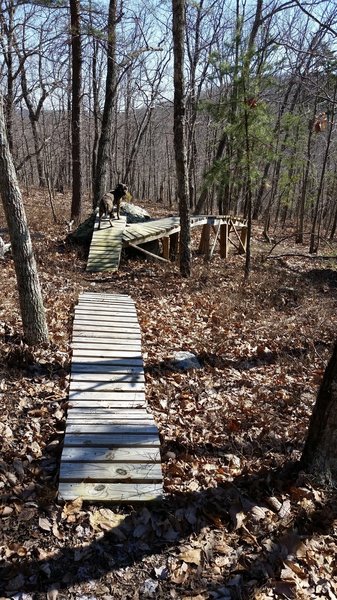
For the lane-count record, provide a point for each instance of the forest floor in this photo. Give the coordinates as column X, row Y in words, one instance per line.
column 238, row 520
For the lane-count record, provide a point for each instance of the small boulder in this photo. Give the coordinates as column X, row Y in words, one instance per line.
column 185, row 360
column 134, row 213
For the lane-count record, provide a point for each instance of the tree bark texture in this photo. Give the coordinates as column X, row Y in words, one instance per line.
column 76, row 50
column 31, row 303
column 103, row 154
column 179, row 131
column 320, row 451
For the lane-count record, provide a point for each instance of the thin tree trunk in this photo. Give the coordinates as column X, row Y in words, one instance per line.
column 179, row 130
column 313, row 241
column 30, row 297
column 103, row 154
column 76, row 204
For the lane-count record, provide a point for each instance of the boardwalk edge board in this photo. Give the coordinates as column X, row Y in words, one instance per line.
column 111, row 449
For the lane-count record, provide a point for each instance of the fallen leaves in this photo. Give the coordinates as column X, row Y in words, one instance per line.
column 234, row 523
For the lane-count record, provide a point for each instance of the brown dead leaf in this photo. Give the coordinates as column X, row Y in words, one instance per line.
column 295, row 568
column 45, row 524
column 105, row 519
column 72, row 508
column 191, row 556
column 56, row 532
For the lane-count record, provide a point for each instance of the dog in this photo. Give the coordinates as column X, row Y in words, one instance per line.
column 106, row 205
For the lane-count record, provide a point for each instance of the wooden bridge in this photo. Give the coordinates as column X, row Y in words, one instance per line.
column 111, row 445
column 107, row 242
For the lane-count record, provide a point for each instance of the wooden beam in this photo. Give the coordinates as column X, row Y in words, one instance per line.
column 243, row 237
column 242, row 249
column 154, row 256
column 215, row 241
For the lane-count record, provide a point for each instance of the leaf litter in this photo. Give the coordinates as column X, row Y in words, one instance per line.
column 238, row 520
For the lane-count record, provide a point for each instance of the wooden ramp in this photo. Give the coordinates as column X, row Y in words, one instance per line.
column 106, row 245
column 111, row 445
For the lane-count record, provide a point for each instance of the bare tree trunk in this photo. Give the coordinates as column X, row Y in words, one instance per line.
column 320, row 451
column 314, row 239
column 178, row 7
column 103, row 154
column 95, row 94
column 31, row 303
column 76, row 203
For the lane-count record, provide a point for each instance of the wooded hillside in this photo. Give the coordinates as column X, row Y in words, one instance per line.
column 258, row 73
column 240, row 110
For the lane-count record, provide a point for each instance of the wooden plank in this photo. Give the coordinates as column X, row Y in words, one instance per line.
column 106, row 354
column 102, row 298
column 107, row 309
column 110, row 440
column 98, row 317
column 127, row 492
column 112, row 472
column 98, row 344
column 108, row 369
column 111, row 413
column 88, row 421
column 113, row 427
column 126, row 338
column 91, row 328
column 109, row 362
column 111, row 404
column 107, row 377
column 115, row 341
column 111, row 455
column 128, row 395
column 103, row 386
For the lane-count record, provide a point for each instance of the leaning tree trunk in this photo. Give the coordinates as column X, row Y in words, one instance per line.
column 320, row 451
column 31, row 303
column 179, row 130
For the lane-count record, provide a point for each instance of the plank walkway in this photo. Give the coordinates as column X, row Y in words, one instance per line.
column 106, row 245
column 148, row 231
column 111, row 445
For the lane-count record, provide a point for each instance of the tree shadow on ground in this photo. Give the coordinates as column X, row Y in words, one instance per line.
column 319, row 277
column 152, row 530
column 245, row 363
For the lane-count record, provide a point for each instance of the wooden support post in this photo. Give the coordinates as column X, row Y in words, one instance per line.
column 243, row 240
column 205, row 240
column 166, row 247
column 224, row 233
column 174, row 246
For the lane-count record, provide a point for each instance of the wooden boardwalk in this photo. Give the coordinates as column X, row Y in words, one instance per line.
column 106, row 245
column 111, row 446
